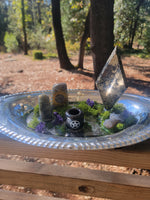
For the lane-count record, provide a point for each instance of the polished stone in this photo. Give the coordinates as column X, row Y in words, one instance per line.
column 59, row 94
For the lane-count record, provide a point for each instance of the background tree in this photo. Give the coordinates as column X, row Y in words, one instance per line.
column 135, row 22
column 73, row 18
column 130, row 19
column 146, row 41
column 84, row 38
column 18, row 21
column 101, row 33
column 3, row 20
column 24, row 28
column 60, row 43
column 131, row 25
column 39, row 11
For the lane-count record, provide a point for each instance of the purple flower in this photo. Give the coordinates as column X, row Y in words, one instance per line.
column 58, row 118
column 40, row 127
column 90, row 102
column 55, row 113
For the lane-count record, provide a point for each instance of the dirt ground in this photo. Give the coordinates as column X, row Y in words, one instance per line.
column 19, row 73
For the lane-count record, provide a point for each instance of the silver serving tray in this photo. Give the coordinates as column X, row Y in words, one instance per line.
column 12, row 123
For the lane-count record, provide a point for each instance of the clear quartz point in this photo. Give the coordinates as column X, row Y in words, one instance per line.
column 111, row 82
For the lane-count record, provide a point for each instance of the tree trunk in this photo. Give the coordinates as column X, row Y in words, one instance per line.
column 31, row 4
column 60, row 43
column 24, row 28
column 39, row 12
column 130, row 34
column 85, row 35
column 101, row 33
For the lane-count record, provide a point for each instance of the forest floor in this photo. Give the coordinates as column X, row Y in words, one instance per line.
column 19, row 73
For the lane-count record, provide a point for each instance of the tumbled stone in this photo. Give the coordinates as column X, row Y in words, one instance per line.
column 108, row 123
column 112, row 121
column 44, row 108
column 111, row 82
column 59, row 94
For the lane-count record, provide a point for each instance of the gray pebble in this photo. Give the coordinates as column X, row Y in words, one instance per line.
column 112, row 121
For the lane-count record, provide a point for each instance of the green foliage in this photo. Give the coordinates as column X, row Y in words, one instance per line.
column 36, row 110
column 37, row 38
column 87, row 127
column 50, row 45
column 3, row 21
column 147, row 39
column 49, row 125
column 120, row 126
column 11, row 42
column 61, row 129
column 115, row 129
column 124, row 15
column 95, row 114
column 105, row 115
column 34, row 122
column 15, row 20
column 98, row 107
column 73, row 18
column 51, row 55
column 84, row 107
column 130, row 20
column 72, row 47
column 130, row 120
column 144, row 55
column 87, row 109
column 36, row 32
column 40, row 34
column 62, row 109
column 38, row 55
column 107, row 131
column 88, row 46
column 141, row 53
column 118, row 108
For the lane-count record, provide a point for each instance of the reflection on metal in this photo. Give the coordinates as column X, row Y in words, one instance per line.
column 111, row 82
column 137, row 109
column 13, row 124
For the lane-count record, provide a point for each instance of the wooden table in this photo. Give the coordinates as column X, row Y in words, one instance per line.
column 80, row 181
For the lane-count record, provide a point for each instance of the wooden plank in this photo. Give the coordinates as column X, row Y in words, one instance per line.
column 135, row 156
column 9, row 195
column 75, row 180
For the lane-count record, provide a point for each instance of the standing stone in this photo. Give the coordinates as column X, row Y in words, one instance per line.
column 44, row 108
column 111, row 83
column 59, row 94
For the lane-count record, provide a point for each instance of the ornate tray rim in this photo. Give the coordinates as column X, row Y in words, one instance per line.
column 95, row 143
